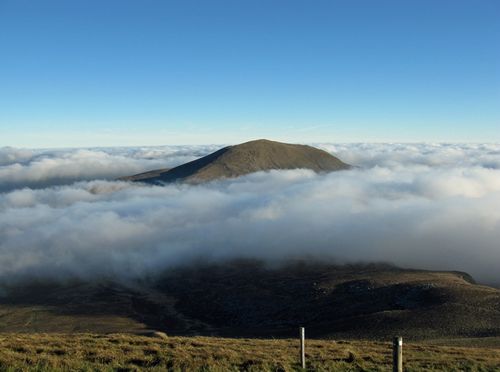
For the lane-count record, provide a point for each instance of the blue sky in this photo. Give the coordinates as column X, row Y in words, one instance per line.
column 119, row 73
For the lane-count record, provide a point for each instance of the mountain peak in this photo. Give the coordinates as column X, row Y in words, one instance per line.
column 237, row 160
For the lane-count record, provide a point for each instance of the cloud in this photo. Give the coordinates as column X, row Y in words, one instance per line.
column 423, row 206
column 418, row 154
column 11, row 155
column 44, row 168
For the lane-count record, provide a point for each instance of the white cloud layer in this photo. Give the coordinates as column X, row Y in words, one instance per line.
column 422, row 206
column 43, row 168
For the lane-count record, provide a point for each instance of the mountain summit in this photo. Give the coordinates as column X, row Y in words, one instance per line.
column 248, row 157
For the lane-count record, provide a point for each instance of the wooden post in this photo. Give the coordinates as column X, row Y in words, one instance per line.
column 397, row 354
column 302, row 347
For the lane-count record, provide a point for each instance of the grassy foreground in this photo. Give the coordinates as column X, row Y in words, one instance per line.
column 121, row 352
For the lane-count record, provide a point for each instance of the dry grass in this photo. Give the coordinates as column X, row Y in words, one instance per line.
column 121, row 352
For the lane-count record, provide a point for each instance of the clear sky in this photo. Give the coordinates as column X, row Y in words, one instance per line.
column 120, row 72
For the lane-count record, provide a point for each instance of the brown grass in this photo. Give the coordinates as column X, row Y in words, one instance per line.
column 121, row 352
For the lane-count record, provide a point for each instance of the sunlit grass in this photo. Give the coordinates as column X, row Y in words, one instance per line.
column 88, row 352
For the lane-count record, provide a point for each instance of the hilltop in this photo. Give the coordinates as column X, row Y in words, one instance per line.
column 245, row 158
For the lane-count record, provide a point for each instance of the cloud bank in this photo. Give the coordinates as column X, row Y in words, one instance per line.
column 431, row 206
column 43, row 168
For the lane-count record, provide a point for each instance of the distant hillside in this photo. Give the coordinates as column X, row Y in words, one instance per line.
column 247, row 298
column 249, row 157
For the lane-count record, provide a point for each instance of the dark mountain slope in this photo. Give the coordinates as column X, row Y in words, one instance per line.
column 348, row 301
column 246, row 298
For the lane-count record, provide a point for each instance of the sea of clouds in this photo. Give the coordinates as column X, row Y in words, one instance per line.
column 431, row 206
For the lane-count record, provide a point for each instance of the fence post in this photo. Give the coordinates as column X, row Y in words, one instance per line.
column 397, row 354
column 302, row 347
